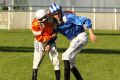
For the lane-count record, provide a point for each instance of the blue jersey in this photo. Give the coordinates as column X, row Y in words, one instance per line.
column 73, row 25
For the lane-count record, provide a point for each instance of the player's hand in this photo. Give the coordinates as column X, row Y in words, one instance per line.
column 54, row 35
column 93, row 38
column 47, row 48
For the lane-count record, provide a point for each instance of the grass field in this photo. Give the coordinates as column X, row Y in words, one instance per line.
column 99, row 61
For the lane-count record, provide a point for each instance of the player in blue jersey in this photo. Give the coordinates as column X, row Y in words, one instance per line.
column 72, row 26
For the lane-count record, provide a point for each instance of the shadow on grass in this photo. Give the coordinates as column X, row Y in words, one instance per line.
column 113, row 34
column 61, row 50
column 95, row 51
column 100, row 51
column 16, row 49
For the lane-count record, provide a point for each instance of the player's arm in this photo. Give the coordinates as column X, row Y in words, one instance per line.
column 92, row 35
column 79, row 20
column 38, row 32
column 55, row 32
column 83, row 21
column 87, row 22
column 36, row 28
column 50, row 42
column 54, row 35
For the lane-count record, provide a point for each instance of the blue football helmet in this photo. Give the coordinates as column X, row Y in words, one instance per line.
column 54, row 8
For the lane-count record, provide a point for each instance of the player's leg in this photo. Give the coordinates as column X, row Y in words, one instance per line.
column 53, row 54
column 69, row 55
column 34, row 74
column 78, row 43
column 65, row 58
column 66, row 70
column 74, row 69
column 76, row 73
column 37, row 59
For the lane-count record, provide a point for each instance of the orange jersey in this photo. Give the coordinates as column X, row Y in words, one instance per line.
column 42, row 31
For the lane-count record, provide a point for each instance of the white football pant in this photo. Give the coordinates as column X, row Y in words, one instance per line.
column 39, row 55
column 75, row 47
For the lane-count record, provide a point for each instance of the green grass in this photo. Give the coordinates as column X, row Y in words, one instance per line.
column 99, row 61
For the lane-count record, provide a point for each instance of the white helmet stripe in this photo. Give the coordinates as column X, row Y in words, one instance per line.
column 51, row 9
column 57, row 6
column 54, row 7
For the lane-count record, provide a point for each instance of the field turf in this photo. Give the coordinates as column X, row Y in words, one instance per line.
column 99, row 61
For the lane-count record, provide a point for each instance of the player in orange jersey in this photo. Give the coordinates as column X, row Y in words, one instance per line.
column 43, row 29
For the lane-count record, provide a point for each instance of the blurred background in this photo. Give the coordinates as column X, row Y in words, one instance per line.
column 18, row 14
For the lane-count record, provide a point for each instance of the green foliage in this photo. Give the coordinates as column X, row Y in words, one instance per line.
column 99, row 61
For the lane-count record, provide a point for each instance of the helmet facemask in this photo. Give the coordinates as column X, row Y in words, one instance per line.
column 43, row 19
